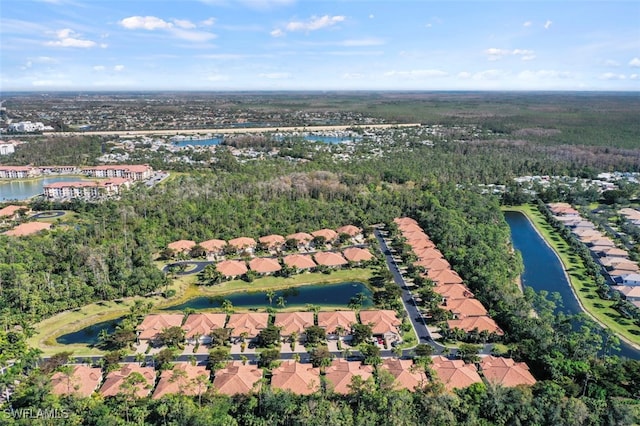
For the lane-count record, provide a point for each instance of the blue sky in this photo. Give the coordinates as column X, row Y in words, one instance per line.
column 319, row 45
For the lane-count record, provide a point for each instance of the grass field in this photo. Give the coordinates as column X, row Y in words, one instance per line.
column 70, row 321
column 584, row 288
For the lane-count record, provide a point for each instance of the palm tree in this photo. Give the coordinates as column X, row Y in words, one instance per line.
column 282, row 302
column 270, row 295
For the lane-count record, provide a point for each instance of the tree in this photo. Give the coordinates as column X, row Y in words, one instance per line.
column 422, row 350
column 320, row 356
column 220, row 336
column 269, row 336
column 315, row 334
column 371, row 354
column 268, row 356
column 164, row 358
column 468, row 352
column 172, row 337
column 55, row 362
column 210, row 275
column 270, row 294
column 282, row 302
column 218, row 356
column 360, row 333
column 130, row 388
column 227, row 306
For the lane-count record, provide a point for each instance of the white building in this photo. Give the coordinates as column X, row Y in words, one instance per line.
column 7, row 148
column 131, row 172
column 85, row 189
column 28, row 127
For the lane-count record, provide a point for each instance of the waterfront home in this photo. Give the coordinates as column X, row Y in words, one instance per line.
column 85, row 190
column 116, row 381
column 272, row 242
column 213, row 248
column 406, row 374
column 357, row 255
column 243, row 245
column 237, row 379
column 330, row 259
column 340, row 373
column 384, row 322
column 231, row 268
column 299, row 261
column 82, row 381
column 618, row 263
column 181, row 246
column 131, row 172
column 198, row 327
column 506, row 372
column 630, row 279
column 183, row 379
column 301, row 379
column 562, row 209
column 479, row 323
column 613, row 252
column 455, row 374
column 301, row 238
column 600, row 243
column 264, row 265
column 154, row 324
column 247, row 324
column 18, row 172
column 293, row 322
column 336, row 321
column 28, row 228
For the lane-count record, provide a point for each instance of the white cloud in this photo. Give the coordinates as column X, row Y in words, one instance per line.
column 275, row 75
column 99, row 68
column 635, row 62
column 149, row 23
column 612, row 76
column 416, row 74
column 184, row 23
column 527, row 24
column 208, row 22
column 362, row 42
column 371, row 16
column 634, row 77
column 315, row 23
column 277, row 33
column 118, row 68
column 547, row 24
column 494, row 54
column 197, row 36
column 68, row 38
column 610, row 63
column 465, row 75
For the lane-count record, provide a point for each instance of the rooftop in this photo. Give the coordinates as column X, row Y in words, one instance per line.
column 341, row 372
column 298, row 378
column 231, row 268
column 455, row 374
column 237, row 378
column 182, row 379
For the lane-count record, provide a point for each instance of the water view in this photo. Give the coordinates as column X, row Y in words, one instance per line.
column 199, row 142
column 329, row 139
column 543, row 270
column 25, row 189
column 338, row 295
column 88, row 335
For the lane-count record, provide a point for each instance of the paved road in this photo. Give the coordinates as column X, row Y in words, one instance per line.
column 193, row 266
column 424, row 335
column 49, row 214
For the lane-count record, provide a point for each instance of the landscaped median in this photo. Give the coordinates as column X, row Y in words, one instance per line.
column 70, row 321
column 583, row 288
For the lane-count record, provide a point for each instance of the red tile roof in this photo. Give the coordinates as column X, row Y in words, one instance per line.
column 407, row 376
column 301, row 379
column 383, row 320
column 331, row 320
column 482, row 323
column 293, row 322
column 341, row 372
column 264, row 265
column 213, row 246
column 155, row 323
column 430, row 254
column 433, row 264
column 202, row 324
column 299, row 261
column 115, row 379
column 12, row 210
column 272, row 241
column 506, row 372
column 181, row 245
column 182, row 380
column 242, row 243
column 328, row 234
column 420, row 243
column 455, row 374
column 27, row 229
column 453, row 291
column 445, row 276
column 82, row 381
column 328, row 258
column 356, row 254
column 231, row 268
column 463, row 308
column 237, row 378
column 300, row 237
column 350, row 230
column 404, row 220
column 251, row 323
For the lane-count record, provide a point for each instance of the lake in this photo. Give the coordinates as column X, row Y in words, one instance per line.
column 337, row 295
column 25, row 189
column 88, row 335
column 543, row 270
column 198, row 142
column 329, row 139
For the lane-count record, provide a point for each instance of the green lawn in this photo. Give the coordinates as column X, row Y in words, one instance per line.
column 584, row 288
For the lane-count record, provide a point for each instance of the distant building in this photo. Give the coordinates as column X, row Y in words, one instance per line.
column 28, row 127
column 7, row 148
column 131, row 172
column 85, row 189
column 18, row 172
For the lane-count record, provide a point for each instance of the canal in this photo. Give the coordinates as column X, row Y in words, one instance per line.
column 544, row 271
